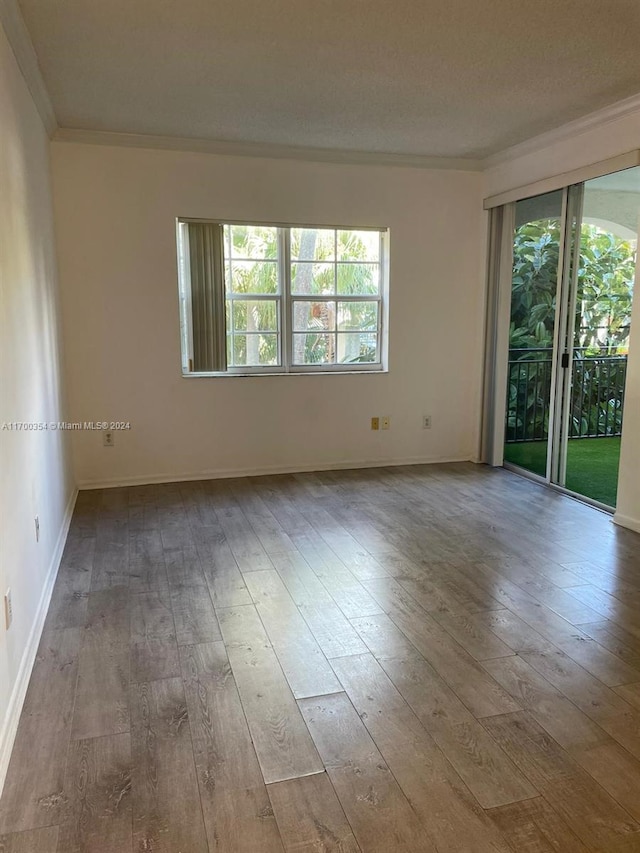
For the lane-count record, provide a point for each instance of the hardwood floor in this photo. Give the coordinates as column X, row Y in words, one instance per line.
column 434, row 658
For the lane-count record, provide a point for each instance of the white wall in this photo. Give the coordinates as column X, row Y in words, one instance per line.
column 36, row 477
column 601, row 142
column 115, row 220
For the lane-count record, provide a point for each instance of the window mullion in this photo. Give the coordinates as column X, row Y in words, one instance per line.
column 286, row 318
column 331, row 297
column 335, row 287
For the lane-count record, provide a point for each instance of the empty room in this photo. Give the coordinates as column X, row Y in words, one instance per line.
column 320, row 427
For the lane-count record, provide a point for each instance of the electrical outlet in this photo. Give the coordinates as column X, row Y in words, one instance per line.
column 8, row 609
column 375, row 423
column 426, row 422
column 107, row 438
column 385, row 422
column 37, row 523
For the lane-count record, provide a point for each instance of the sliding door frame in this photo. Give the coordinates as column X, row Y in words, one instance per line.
column 501, row 227
column 561, row 369
column 501, row 231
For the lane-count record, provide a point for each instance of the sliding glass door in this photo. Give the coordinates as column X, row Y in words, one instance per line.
column 537, row 245
column 574, row 263
column 600, row 325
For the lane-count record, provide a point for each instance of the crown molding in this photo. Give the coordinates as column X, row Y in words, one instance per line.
column 20, row 41
column 570, row 130
column 260, row 150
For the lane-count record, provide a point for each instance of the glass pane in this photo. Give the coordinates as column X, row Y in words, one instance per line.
column 314, row 349
column 358, row 349
column 359, row 246
column 257, row 242
column 250, row 316
column 536, row 251
column 314, row 316
column 313, row 278
column 313, row 244
column 252, row 277
column 356, row 279
column 357, row 316
column 606, row 269
column 252, row 350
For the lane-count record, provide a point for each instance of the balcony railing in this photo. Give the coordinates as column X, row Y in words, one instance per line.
column 597, row 394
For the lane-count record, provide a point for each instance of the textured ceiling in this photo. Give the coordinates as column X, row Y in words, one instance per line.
column 450, row 78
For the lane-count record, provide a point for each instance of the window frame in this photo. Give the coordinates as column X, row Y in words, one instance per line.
column 284, row 299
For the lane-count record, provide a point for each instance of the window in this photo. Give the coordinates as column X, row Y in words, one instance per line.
column 266, row 298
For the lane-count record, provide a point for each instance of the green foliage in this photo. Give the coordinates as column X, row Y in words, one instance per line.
column 605, row 282
column 251, row 254
column 533, row 284
column 605, row 289
column 325, row 263
column 528, row 400
column 597, row 395
column 602, row 320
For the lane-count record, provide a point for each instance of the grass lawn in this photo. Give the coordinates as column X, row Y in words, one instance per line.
column 592, row 464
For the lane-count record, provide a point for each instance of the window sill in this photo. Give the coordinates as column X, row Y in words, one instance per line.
column 271, row 374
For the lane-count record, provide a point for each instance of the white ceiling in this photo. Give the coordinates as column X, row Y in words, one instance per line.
column 446, row 78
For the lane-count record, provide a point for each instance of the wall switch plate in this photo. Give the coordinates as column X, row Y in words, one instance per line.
column 108, row 439
column 426, row 422
column 8, row 609
column 385, row 422
column 37, row 524
column 375, row 423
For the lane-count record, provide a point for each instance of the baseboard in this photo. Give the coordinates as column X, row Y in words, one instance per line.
column 10, row 723
column 301, row 468
column 627, row 521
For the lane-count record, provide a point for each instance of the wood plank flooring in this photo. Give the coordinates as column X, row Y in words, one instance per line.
column 429, row 659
